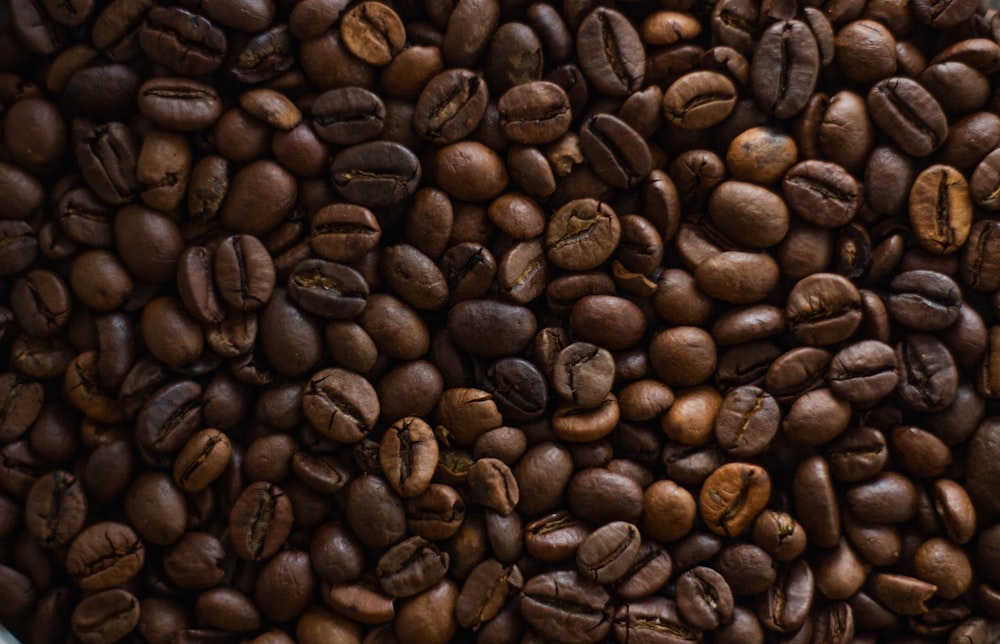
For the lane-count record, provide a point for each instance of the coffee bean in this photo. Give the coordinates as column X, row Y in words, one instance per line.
column 372, row 32
column 411, row 567
column 535, row 112
column 375, row 174
column 733, row 496
column 822, row 193
column 787, row 51
column 340, row 405
column 563, row 604
column 485, row 590
column 179, row 104
column 785, row 607
column 202, row 460
column 908, row 115
column 940, row 209
column 611, row 53
column 409, row 456
column 260, row 521
column 704, row 599
column 652, row 618
column 747, row 421
column 608, row 552
column 107, row 616
column 348, row 115
column 187, row 43
column 857, row 454
column 928, row 378
column 56, row 509
column 823, row 309
column 105, row 555
column 699, row 100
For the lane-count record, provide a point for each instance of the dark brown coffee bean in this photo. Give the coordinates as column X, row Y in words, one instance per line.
column 611, row 53
column 747, row 421
column 375, row 174
column 822, row 193
column 928, row 379
column 908, row 115
column 56, row 509
column 411, row 567
column 409, row 456
column 330, row 290
column 202, row 460
column 924, row 300
column 785, row 68
column 901, row 594
column 608, row 552
column 244, row 272
column 785, row 606
column 340, row 405
column 562, row 604
column 372, row 32
column 105, row 555
column 857, row 454
column 617, row 153
column 179, row 104
column 185, row 42
column 704, row 599
column 699, row 100
column 260, row 521
column 535, row 112
column 864, row 372
column 348, row 115
column 485, row 590
column 823, row 309
column 108, row 616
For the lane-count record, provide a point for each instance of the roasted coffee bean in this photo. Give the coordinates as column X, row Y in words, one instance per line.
column 822, row 193
column 409, row 456
column 747, row 421
column 244, row 272
column 611, row 53
column 375, row 174
column 107, row 616
column 704, row 599
column 785, row 606
column 187, row 43
column 348, row 115
column 615, row 151
column 608, row 552
column 564, row 605
column 583, row 373
column 330, row 290
column 785, row 68
column 411, row 567
column 372, row 32
column 823, row 309
column 340, row 405
column 105, row 555
column 56, row 509
column 928, row 377
column 260, row 521
column 908, row 114
column 924, row 300
column 864, row 372
column 733, row 496
column 179, row 104
column 748, row 214
column 941, row 209
column 486, row 589
column 202, row 460
column 699, row 100
column 536, row 112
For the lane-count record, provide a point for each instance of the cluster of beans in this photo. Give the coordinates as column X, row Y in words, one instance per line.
column 417, row 321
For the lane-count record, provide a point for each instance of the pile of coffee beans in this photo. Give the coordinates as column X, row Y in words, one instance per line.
column 500, row 321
